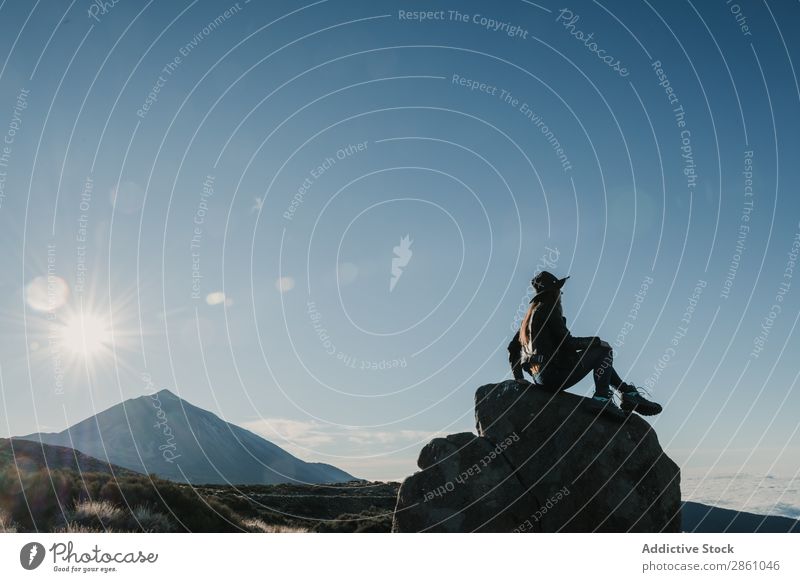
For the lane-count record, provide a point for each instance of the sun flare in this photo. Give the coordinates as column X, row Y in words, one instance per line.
column 85, row 335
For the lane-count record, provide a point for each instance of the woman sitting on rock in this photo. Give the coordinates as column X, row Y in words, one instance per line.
column 556, row 360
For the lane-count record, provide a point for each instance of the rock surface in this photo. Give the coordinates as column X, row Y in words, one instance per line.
column 542, row 462
column 465, row 485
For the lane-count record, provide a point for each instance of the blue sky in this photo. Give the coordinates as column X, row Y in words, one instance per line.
column 298, row 144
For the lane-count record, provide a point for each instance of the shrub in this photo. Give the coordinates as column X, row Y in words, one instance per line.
column 63, row 500
column 151, row 521
column 6, row 525
column 100, row 515
column 75, row 528
column 257, row 525
column 371, row 520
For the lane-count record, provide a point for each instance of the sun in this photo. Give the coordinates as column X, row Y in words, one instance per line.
column 85, row 335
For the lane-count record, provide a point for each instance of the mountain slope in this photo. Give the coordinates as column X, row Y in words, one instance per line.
column 163, row 434
column 27, row 456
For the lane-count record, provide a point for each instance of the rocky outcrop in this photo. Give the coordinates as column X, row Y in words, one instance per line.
column 542, row 462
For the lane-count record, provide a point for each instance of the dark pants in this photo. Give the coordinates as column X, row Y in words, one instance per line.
column 562, row 373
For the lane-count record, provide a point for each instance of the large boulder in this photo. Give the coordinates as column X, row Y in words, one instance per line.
column 542, row 462
column 465, row 485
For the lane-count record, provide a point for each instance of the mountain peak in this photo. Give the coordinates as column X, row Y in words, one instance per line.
column 166, row 393
column 164, row 434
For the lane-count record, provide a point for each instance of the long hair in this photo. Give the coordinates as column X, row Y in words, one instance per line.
column 549, row 301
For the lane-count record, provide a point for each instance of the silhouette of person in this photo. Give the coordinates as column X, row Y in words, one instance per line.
column 557, row 360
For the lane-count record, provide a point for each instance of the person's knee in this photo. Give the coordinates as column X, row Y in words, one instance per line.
column 602, row 349
column 605, row 354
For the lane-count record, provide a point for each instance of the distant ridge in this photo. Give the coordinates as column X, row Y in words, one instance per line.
column 27, row 456
column 166, row 435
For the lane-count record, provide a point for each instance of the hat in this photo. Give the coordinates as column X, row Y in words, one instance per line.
column 544, row 282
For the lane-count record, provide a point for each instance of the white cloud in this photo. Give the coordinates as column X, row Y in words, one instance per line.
column 347, row 273
column 371, row 437
column 755, row 493
column 217, row 298
column 304, row 435
column 374, row 454
column 284, row 284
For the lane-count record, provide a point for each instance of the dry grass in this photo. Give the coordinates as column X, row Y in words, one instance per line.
column 77, row 528
column 60, row 499
column 256, row 525
column 105, row 511
column 106, row 516
column 6, row 525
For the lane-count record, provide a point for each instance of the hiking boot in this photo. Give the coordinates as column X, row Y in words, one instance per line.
column 607, row 406
column 633, row 401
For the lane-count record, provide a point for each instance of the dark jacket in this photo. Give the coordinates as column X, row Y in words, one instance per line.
column 547, row 328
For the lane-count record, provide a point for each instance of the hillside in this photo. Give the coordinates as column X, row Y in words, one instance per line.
column 30, row 456
column 34, row 499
